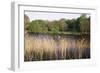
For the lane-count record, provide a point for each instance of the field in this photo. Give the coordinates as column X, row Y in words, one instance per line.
column 40, row 47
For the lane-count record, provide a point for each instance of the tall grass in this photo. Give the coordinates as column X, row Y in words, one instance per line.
column 47, row 47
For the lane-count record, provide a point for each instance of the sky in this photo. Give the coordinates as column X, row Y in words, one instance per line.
column 51, row 16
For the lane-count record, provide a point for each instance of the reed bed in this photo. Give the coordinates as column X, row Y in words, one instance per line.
column 47, row 47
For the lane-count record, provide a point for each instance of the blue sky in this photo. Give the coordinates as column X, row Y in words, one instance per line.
column 50, row 16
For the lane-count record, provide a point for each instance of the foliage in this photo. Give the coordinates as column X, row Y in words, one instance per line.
column 62, row 25
column 80, row 24
column 55, row 27
column 84, row 23
column 26, row 21
column 37, row 26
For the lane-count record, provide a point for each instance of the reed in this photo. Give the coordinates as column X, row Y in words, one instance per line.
column 47, row 47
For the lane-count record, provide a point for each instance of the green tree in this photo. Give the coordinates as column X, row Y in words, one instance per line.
column 72, row 26
column 37, row 26
column 84, row 23
column 62, row 24
column 54, row 26
column 26, row 21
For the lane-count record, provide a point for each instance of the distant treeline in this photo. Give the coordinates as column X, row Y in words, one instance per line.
column 80, row 25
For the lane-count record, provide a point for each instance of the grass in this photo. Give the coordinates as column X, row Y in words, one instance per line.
column 62, row 33
column 47, row 47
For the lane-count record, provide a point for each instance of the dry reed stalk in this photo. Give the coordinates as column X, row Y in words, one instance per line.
column 47, row 48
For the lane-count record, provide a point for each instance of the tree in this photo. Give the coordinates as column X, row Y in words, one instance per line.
column 54, row 26
column 81, row 24
column 26, row 21
column 37, row 26
column 84, row 23
column 62, row 24
column 71, row 25
column 78, row 24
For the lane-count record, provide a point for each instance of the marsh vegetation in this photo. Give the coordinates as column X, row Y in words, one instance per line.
column 57, row 40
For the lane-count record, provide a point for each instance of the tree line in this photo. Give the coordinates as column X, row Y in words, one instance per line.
column 80, row 25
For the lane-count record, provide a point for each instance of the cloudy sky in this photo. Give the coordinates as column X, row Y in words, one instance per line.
column 50, row 16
